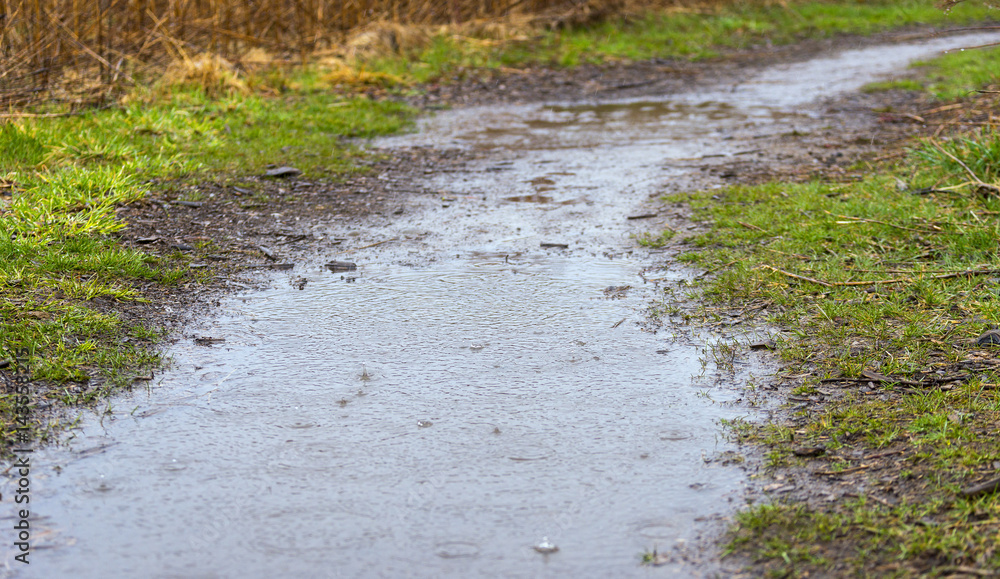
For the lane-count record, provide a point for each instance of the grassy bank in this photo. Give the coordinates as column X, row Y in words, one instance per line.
column 882, row 288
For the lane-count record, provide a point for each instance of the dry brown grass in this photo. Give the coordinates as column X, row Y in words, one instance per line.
column 107, row 44
column 209, row 72
column 111, row 41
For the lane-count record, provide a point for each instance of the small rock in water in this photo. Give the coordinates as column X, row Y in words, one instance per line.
column 338, row 266
column 476, row 347
column 545, row 547
column 808, row 451
column 764, row 345
column 424, row 423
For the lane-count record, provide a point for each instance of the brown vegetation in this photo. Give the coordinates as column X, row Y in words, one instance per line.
column 107, row 42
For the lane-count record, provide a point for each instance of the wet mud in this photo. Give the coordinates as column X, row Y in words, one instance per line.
column 482, row 394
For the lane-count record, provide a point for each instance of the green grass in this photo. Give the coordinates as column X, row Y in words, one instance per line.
column 191, row 135
column 950, row 76
column 897, row 541
column 896, row 274
column 904, row 318
column 655, row 241
column 899, row 84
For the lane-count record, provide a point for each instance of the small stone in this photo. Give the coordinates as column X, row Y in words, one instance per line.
column 808, row 451
column 282, row 172
column 764, row 345
column 337, row 266
column 545, row 547
column 424, row 423
column 989, row 338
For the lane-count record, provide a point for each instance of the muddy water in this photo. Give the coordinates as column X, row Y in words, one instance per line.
column 479, row 384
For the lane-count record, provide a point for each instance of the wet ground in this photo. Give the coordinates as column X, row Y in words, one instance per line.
column 484, row 381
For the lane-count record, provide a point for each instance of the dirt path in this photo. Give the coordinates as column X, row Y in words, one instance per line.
column 484, row 384
column 247, row 212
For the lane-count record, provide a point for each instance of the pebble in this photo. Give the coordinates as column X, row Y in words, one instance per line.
column 545, row 547
column 342, row 266
column 281, row 172
column 989, row 338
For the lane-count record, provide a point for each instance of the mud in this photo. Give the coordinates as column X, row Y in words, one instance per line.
column 483, row 387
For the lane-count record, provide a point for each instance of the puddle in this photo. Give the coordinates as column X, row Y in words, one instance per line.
column 481, row 388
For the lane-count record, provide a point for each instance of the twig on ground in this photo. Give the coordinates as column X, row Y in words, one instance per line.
column 711, row 271
column 42, row 115
column 964, row 570
column 975, row 178
column 751, row 226
column 870, row 376
column 985, row 488
column 845, row 471
column 369, row 245
column 884, row 454
column 803, row 278
column 887, row 224
column 797, row 255
column 944, row 108
column 969, row 272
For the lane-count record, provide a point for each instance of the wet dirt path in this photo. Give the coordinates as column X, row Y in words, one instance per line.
column 481, row 382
